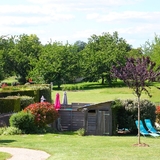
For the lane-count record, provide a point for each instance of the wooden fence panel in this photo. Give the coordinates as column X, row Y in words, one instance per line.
column 71, row 120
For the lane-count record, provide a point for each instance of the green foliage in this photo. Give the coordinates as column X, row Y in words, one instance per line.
column 81, row 132
column 101, row 53
column 10, row 131
column 116, row 106
column 44, row 113
column 24, row 121
column 72, row 87
column 125, row 113
column 22, row 52
column 22, row 91
column 152, row 49
column 2, row 129
column 46, row 92
column 9, row 104
column 58, row 63
column 135, row 53
column 26, row 101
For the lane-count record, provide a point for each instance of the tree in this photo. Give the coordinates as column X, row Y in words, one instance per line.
column 152, row 49
column 58, row 63
column 137, row 74
column 6, row 45
column 20, row 54
column 80, row 45
column 101, row 53
column 135, row 53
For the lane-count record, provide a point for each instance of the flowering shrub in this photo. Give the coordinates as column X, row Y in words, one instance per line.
column 158, row 114
column 44, row 113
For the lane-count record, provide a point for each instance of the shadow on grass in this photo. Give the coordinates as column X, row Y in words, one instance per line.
column 6, row 141
column 94, row 85
column 66, row 132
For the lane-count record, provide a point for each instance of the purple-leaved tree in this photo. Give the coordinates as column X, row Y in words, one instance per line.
column 137, row 74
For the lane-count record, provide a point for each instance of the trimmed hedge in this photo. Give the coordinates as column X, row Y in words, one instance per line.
column 25, row 101
column 31, row 93
column 32, row 90
column 9, row 104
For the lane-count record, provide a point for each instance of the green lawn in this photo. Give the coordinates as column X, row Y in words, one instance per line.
column 74, row 147
column 4, row 156
column 106, row 94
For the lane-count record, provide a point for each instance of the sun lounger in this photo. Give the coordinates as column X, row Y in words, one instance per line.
column 144, row 132
column 150, row 126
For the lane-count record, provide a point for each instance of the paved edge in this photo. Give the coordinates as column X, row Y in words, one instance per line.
column 25, row 154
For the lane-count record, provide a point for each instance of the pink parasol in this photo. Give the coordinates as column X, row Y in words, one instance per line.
column 57, row 104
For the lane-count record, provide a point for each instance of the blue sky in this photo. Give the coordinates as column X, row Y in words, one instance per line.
column 137, row 21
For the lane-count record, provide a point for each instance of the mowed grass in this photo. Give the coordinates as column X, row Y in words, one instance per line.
column 74, row 147
column 4, row 156
column 106, row 94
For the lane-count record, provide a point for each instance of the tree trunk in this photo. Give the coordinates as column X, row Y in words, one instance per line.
column 139, row 120
column 102, row 79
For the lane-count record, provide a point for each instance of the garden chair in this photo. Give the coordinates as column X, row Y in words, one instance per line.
column 150, row 126
column 144, row 132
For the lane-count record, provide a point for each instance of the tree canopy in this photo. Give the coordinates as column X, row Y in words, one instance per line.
column 26, row 57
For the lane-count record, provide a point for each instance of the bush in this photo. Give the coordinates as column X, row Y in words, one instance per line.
column 24, row 121
column 72, row 87
column 44, row 113
column 9, row 104
column 126, row 112
column 26, row 101
column 2, row 129
column 10, row 131
column 81, row 132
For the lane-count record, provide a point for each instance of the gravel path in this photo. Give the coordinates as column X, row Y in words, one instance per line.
column 25, row 154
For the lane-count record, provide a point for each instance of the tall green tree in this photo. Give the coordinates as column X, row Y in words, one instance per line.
column 6, row 45
column 101, row 53
column 58, row 63
column 135, row 53
column 152, row 49
column 20, row 55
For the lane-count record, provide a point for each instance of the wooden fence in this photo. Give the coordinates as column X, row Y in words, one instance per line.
column 71, row 119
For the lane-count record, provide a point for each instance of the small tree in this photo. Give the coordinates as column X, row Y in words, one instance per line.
column 137, row 74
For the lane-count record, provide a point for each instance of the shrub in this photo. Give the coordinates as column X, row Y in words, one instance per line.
column 72, row 87
column 2, row 129
column 126, row 112
column 147, row 110
column 81, row 132
column 44, row 113
column 24, row 121
column 9, row 104
column 10, row 131
column 26, row 101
